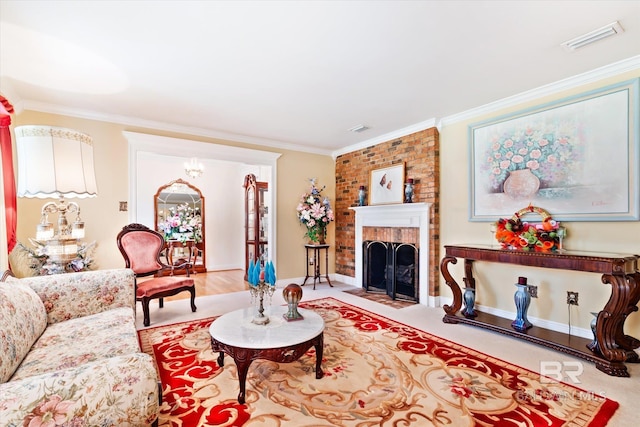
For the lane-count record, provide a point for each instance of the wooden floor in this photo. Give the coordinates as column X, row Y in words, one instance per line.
column 227, row 281
column 215, row 283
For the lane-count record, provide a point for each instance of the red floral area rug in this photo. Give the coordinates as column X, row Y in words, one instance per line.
column 377, row 372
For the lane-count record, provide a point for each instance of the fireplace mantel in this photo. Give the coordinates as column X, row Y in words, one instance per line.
column 396, row 215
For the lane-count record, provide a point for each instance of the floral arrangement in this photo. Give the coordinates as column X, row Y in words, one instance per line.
column 513, row 233
column 550, row 154
column 314, row 212
column 183, row 224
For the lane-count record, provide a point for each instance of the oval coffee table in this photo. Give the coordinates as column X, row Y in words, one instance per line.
column 279, row 340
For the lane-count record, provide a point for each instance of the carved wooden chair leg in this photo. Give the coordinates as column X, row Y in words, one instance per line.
column 193, row 299
column 157, row 421
column 145, row 311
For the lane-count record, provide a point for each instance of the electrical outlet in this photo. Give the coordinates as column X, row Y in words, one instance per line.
column 311, row 261
column 533, row 291
column 572, row 298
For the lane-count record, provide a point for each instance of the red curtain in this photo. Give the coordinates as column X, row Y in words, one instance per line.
column 7, row 172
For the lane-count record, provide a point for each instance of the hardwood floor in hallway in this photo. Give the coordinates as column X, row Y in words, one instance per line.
column 216, row 283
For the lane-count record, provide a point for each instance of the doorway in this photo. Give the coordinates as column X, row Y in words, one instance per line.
column 173, row 152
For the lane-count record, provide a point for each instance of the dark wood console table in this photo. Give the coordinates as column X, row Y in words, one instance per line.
column 612, row 347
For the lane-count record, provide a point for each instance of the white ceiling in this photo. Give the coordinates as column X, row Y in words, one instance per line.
column 295, row 74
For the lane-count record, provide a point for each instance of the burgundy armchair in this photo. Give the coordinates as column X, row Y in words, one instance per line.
column 141, row 248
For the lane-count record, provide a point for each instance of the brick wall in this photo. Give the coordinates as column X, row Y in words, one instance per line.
column 420, row 153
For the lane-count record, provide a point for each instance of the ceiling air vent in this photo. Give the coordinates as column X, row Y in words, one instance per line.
column 593, row 36
column 359, row 128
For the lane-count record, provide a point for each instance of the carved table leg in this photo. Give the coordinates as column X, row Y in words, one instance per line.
column 306, row 261
column 326, row 266
column 318, row 343
column 468, row 279
column 243, row 362
column 316, row 267
column 451, row 310
column 610, row 325
column 628, row 342
column 243, row 357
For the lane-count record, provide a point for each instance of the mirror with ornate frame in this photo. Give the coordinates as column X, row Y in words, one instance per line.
column 182, row 204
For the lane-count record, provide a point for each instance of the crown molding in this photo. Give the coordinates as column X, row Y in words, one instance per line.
column 386, row 137
column 610, row 70
column 167, row 127
column 592, row 76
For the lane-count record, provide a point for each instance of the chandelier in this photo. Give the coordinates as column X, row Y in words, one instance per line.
column 193, row 168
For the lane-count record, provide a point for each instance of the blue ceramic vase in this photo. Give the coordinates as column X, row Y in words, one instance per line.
column 361, row 195
column 593, row 345
column 522, row 300
column 408, row 191
column 469, row 302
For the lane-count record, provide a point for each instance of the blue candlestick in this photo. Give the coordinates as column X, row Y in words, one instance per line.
column 250, row 272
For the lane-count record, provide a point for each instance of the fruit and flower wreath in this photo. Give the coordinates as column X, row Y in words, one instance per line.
column 513, row 233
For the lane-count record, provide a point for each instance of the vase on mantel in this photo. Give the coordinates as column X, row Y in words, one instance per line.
column 408, row 191
column 361, row 196
column 521, row 184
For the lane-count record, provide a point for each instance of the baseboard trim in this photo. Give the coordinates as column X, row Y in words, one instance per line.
column 542, row 323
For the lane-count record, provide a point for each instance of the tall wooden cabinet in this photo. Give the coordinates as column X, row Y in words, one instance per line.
column 255, row 220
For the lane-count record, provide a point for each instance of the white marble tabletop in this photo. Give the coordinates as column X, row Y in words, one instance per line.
column 235, row 328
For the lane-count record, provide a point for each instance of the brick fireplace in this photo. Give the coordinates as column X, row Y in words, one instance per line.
column 400, row 223
column 420, row 153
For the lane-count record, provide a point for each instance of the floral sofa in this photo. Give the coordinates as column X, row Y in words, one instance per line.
column 69, row 352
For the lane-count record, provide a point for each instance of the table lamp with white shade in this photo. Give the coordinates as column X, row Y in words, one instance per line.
column 55, row 162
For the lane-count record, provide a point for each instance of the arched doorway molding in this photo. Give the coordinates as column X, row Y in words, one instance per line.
column 140, row 144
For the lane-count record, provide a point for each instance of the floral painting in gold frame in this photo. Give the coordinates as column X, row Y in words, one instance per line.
column 578, row 157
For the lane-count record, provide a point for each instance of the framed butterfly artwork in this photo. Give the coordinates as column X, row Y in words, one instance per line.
column 386, row 185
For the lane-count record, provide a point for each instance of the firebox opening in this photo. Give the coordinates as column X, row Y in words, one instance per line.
column 391, row 268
